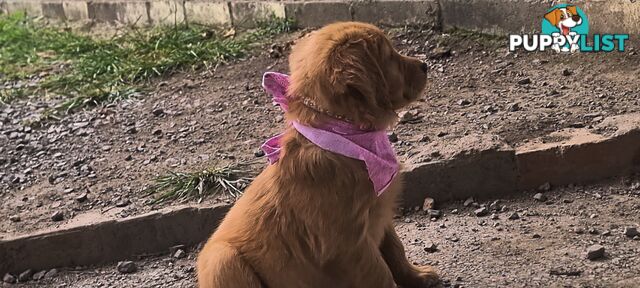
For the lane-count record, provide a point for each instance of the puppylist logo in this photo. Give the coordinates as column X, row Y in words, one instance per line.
column 565, row 28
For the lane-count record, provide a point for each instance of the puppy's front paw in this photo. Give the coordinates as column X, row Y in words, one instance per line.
column 425, row 277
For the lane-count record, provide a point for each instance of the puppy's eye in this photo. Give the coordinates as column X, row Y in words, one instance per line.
column 562, row 16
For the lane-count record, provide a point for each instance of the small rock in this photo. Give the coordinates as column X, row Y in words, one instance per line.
column 567, row 201
column 57, row 216
column 392, row 137
column 122, row 203
column 25, row 276
column 536, row 236
column 494, row 216
column 51, row 273
column 566, row 72
column 428, row 204
column 8, row 278
column 468, row 202
column 407, row 116
column 157, row 112
column 258, row 153
column 440, row 52
column 524, row 81
column 179, row 254
column 39, row 275
column 14, row 218
column 540, row 197
column 435, row 213
column 595, row 252
column 593, row 231
column 431, row 247
column 454, row 211
column 631, row 232
column 480, row 212
column 513, row 107
column 126, row 267
column 606, row 233
column 463, row 102
column 442, row 134
column 81, row 198
column 514, row 216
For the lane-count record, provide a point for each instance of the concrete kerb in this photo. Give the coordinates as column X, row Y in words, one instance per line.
column 110, row 241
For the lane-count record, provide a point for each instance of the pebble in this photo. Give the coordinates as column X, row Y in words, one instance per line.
column 25, row 276
column 540, row 197
column 428, row 204
column 259, row 153
column 468, row 202
column 179, row 254
column 126, row 267
column 433, row 213
column 431, row 247
column 494, row 216
column 51, row 273
column 81, row 198
column 513, row 107
column 463, row 102
column 480, row 212
column 8, row 278
column 57, row 216
column 122, row 203
column 631, row 232
column 524, row 81
column 566, row 72
column 392, row 137
column 514, row 216
column 14, row 218
column 157, row 112
column 595, row 252
column 39, row 275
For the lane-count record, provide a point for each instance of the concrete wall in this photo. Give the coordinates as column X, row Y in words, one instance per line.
column 489, row 16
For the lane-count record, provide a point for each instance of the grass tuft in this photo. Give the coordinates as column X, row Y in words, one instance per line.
column 89, row 71
column 230, row 180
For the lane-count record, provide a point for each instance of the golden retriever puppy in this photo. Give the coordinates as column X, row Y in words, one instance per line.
column 313, row 219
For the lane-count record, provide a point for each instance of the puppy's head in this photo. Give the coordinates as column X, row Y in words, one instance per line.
column 351, row 69
column 564, row 18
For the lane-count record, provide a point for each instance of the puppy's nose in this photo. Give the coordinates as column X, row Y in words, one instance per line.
column 424, row 67
column 575, row 18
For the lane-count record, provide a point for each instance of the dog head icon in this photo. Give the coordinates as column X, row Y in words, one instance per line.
column 564, row 18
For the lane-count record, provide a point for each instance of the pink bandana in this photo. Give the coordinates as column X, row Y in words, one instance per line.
column 372, row 147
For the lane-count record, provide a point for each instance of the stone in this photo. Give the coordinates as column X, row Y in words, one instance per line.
column 428, row 203
column 25, row 276
column 127, row 267
column 14, row 218
column 179, row 254
column 514, row 216
column 468, row 202
column 524, row 81
column 81, row 198
column 431, row 247
column 392, row 137
column 540, row 197
column 463, row 102
column 631, row 232
column 51, row 273
column 435, row 213
column 57, row 216
column 8, row 278
column 39, row 275
column 595, row 252
column 157, row 112
column 566, row 72
column 480, row 212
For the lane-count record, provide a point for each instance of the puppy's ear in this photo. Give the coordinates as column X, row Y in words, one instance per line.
column 573, row 10
column 354, row 70
column 553, row 17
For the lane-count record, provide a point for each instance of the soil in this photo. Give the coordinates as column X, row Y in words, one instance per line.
column 193, row 120
column 545, row 246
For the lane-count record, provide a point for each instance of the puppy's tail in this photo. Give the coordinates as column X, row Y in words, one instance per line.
column 220, row 266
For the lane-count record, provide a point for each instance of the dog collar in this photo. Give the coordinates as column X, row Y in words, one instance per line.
column 337, row 136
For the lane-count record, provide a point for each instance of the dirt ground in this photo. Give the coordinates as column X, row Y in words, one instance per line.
column 544, row 247
column 95, row 164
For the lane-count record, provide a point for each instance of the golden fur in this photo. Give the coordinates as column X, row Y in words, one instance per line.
column 312, row 219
